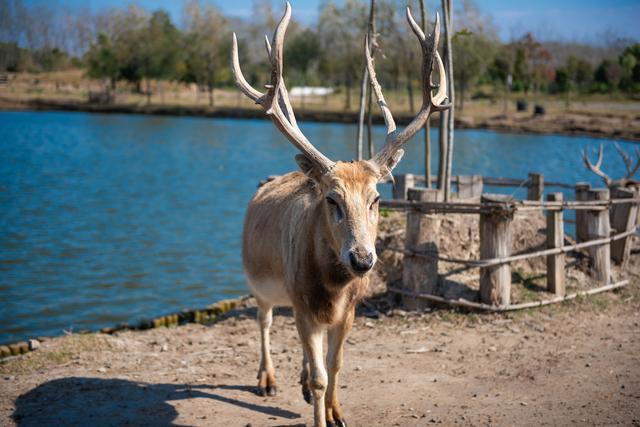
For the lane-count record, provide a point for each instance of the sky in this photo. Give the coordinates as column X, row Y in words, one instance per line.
column 568, row 20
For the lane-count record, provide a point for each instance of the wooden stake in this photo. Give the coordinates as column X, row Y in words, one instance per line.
column 598, row 227
column 495, row 242
column 402, row 184
column 419, row 274
column 581, row 189
column 623, row 218
column 536, row 186
column 469, row 186
column 555, row 239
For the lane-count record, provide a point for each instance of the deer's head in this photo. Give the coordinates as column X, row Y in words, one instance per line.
column 350, row 205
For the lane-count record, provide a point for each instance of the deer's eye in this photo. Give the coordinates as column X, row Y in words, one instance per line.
column 335, row 207
column 374, row 204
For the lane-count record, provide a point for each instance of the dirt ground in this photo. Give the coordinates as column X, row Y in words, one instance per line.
column 576, row 363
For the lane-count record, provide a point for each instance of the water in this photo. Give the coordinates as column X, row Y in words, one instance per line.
column 112, row 218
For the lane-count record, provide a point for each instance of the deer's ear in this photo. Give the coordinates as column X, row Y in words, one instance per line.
column 307, row 166
column 387, row 168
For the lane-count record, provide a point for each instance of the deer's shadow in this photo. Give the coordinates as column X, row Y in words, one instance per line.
column 98, row 401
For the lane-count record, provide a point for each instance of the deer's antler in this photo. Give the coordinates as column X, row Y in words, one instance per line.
column 596, row 168
column 276, row 101
column 391, row 152
column 631, row 170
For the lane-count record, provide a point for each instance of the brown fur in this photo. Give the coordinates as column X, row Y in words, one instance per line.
column 297, row 250
column 285, row 237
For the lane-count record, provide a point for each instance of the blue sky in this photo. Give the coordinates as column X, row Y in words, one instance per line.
column 579, row 20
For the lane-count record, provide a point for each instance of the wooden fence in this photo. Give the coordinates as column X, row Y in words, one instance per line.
column 605, row 222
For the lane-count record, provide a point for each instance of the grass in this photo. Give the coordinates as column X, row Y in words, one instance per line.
column 73, row 86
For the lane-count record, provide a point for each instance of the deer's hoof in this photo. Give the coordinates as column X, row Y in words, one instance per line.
column 306, row 394
column 272, row 390
column 337, row 423
column 261, row 391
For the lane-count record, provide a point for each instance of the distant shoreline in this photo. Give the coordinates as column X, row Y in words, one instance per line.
column 572, row 124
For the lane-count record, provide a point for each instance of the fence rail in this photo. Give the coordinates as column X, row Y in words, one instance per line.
column 606, row 220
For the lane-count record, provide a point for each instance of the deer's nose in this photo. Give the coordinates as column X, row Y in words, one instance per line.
column 361, row 263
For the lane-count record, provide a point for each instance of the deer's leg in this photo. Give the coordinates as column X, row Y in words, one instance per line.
column 311, row 335
column 336, row 338
column 266, row 373
column 304, row 378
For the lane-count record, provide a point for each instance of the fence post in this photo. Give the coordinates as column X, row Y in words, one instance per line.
column 623, row 218
column 469, row 186
column 581, row 189
column 402, row 185
column 420, row 274
column 536, row 186
column 555, row 239
column 598, row 227
column 495, row 242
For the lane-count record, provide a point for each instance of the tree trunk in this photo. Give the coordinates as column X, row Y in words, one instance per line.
column 347, row 104
column 450, row 113
column 148, row 91
column 442, row 144
column 370, row 125
column 211, row 100
column 412, row 106
column 427, row 125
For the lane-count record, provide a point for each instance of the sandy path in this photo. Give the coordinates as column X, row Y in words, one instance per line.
column 574, row 364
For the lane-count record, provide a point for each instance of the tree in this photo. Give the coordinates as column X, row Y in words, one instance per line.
column 102, row 61
column 630, row 62
column 521, row 74
column 341, row 31
column 206, row 47
column 160, row 47
column 473, row 47
column 607, row 76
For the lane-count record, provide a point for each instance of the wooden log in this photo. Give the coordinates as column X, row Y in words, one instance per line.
column 469, row 186
column 495, row 242
column 623, row 217
column 555, row 239
column 581, row 189
column 598, row 227
column 419, row 274
column 402, row 185
column 535, row 186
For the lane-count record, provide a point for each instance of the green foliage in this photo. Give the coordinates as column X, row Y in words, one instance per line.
column 13, row 58
column 206, row 48
column 102, row 59
column 133, row 45
column 302, row 53
column 160, row 47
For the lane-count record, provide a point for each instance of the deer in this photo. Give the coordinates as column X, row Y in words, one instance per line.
column 625, row 181
column 309, row 236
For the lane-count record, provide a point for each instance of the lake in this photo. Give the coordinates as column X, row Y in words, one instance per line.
column 112, row 218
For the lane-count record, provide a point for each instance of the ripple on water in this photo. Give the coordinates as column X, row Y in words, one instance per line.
column 112, row 218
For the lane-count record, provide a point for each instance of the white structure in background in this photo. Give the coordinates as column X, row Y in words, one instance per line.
column 310, row 91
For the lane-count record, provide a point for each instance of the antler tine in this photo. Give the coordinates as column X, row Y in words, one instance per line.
column 386, row 112
column 625, row 157
column 596, row 168
column 429, row 52
column 241, row 82
column 636, row 167
column 391, row 153
column 276, row 100
column 267, row 45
